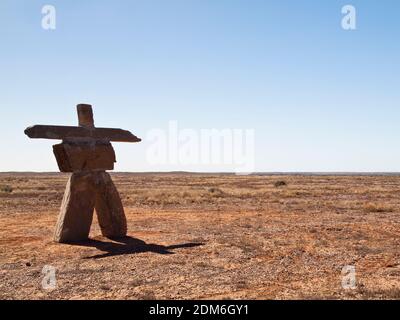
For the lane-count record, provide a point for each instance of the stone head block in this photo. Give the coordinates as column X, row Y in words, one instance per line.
column 85, row 115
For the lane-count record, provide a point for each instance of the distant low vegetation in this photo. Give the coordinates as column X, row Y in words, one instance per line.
column 374, row 207
column 6, row 188
column 216, row 192
column 280, row 183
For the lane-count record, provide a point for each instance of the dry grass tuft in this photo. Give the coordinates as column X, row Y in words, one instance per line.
column 392, row 293
column 216, row 192
column 280, row 183
column 6, row 188
column 377, row 207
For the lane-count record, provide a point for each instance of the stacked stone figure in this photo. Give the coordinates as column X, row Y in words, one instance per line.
column 86, row 151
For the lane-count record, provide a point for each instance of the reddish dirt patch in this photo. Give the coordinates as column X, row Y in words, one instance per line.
column 209, row 236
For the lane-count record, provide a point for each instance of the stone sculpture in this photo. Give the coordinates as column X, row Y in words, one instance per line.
column 86, row 151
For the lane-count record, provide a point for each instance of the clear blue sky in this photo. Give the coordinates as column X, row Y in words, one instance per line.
column 318, row 97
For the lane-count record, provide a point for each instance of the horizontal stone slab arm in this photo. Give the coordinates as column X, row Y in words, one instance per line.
column 63, row 132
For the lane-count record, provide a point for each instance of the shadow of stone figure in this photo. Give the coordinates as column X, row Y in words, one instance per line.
column 130, row 245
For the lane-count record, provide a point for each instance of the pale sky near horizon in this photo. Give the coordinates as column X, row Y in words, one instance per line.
column 319, row 98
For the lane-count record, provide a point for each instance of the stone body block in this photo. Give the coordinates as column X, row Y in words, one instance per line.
column 84, row 157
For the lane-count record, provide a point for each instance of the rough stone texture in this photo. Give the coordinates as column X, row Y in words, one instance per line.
column 86, row 191
column 76, row 211
column 84, row 157
column 109, row 209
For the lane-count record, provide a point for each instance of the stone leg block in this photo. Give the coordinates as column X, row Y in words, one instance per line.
column 77, row 207
column 109, row 209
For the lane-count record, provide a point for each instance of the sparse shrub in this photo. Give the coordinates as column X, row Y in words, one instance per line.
column 6, row 188
column 147, row 295
column 280, row 183
column 136, row 282
column 392, row 293
column 216, row 192
column 105, row 287
column 241, row 284
column 373, row 207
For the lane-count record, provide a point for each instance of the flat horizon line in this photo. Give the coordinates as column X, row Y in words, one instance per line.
column 261, row 173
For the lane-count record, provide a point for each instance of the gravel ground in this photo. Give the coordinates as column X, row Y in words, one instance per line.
column 198, row 236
